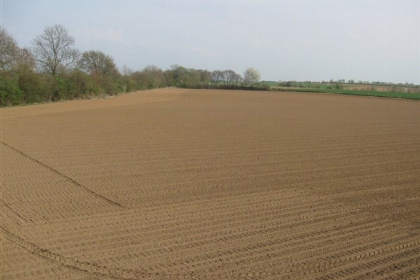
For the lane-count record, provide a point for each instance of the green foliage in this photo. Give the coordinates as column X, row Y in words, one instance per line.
column 98, row 74
column 10, row 93
column 127, row 84
column 30, row 83
column 269, row 83
column 260, row 87
column 186, row 78
column 334, row 86
column 415, row 96
column 83, row 84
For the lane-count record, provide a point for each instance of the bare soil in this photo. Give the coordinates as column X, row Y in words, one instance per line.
column 206, row 184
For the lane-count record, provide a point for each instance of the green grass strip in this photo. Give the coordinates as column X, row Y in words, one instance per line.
column 415, row 96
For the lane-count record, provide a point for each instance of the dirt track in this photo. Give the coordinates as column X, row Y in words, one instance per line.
column 191, row 184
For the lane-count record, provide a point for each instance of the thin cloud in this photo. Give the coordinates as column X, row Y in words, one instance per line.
column 111, row 35
column 375, row 40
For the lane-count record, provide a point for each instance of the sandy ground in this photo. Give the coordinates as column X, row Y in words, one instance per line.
column 196, row 184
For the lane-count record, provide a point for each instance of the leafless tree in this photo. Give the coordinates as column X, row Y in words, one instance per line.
column 25, row 59
column 236, row 78
column 53, row 50
column 205, row 76
column 8, row 51
column 126, row 71
column 217, row 76
column 231, row 77
column 11, row 56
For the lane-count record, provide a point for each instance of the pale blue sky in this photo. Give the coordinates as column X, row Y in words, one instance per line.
column 374, row 40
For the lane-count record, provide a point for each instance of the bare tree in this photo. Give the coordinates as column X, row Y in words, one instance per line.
column 11, row 56
column 227, row 75
column 96, row 62
column 251, row 76
column 25, row 59
column 205, row 76
column 126, row 71
column 231, row 77
column 217, row 76
column 8, row 51
column 53, row 50
column 236, row 79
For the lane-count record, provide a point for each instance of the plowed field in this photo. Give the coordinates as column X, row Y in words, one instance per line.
column 196, row 184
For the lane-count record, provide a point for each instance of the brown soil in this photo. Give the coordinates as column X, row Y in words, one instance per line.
column 196, row 184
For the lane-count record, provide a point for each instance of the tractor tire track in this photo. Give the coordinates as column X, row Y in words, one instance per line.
column 64, row 176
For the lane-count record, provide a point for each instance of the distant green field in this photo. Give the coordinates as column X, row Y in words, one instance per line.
column 415, row 96
column 270, row 83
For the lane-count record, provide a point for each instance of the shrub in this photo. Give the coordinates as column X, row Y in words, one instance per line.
column 10, row 93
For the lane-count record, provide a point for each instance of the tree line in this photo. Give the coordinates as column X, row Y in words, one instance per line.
column 53, row 69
